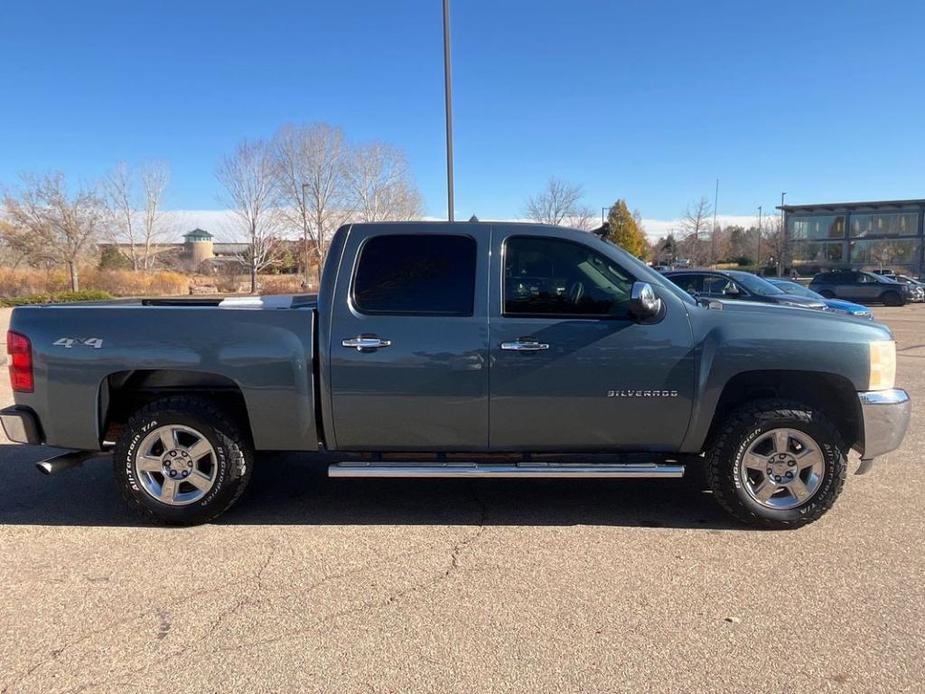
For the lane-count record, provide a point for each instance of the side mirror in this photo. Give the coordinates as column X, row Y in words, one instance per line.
column 643, row 301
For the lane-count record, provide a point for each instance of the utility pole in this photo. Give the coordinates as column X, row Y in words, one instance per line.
column 713, row 234
column 758, row 260
column 448, row 94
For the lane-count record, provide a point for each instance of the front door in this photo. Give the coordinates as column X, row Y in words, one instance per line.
column 571, row 370
column 409, row 339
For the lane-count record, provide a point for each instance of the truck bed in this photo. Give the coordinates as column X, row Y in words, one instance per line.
column 259, row 350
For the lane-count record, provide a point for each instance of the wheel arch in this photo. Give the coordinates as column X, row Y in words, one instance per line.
column 124, row 392
column 831, row 393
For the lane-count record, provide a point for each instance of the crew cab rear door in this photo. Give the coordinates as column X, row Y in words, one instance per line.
column 571, row 369
column 409, row 338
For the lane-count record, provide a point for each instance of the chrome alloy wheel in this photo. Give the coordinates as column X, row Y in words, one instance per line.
column 782, row 469
column 176, row 465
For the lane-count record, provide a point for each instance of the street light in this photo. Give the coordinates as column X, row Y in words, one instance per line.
column 448, row 96
column 783, row 238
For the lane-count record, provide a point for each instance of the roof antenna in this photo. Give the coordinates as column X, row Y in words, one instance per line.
column 473, row 218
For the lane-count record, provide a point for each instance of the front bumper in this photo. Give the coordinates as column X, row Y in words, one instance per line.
column 21, row 425
column 885, row 416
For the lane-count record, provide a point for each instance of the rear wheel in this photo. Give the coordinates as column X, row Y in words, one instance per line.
column 777, row 464
column 892, row 299
column 182, row 461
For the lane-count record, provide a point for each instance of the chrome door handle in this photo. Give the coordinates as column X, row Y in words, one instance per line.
column 364, row 342
column 524, row 346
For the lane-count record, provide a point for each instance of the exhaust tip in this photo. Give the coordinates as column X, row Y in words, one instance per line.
column 44, row 467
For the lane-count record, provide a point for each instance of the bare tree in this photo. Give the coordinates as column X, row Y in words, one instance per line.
column 154, row 178
column 584, row 218
column 137, row 225
column 249, row 178
column 310, row 168
column 556, row 203
column 50, row 224
column 118, row 187
column 380, row 184
column 695, row 223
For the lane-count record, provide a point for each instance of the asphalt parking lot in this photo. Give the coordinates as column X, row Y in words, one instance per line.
column 443, row 585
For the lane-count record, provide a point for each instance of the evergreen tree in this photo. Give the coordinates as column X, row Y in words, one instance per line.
column 623, row 230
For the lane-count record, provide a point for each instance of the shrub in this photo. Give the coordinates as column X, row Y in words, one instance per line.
column 280, row 284
column 57, row 298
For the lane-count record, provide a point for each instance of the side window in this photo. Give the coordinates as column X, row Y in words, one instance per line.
column 716, row 286
column 416, row 274
column 552, row 277
column 689, row 283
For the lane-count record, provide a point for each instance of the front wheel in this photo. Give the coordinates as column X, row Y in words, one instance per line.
column 892, row 299
column 182, row 461
column 776, row 464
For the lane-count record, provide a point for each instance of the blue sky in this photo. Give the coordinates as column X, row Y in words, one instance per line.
column 650, row 101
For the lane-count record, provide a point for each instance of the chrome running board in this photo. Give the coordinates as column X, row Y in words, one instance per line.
column 545, row 470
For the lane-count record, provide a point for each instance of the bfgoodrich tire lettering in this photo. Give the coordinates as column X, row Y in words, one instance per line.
column 735, row 438
column 229, row 455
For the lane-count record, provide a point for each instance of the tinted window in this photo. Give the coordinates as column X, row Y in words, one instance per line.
column 756, row 285
column 717, row 285
column 689, row 283
column 553, row 277
column 426, row 274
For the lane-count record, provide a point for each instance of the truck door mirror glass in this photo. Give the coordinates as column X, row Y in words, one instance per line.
column 643, row 302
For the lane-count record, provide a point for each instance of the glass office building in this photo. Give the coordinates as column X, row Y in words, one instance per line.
column 861, row 235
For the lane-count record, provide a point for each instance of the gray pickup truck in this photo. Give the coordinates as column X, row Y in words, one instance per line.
column 461, row 350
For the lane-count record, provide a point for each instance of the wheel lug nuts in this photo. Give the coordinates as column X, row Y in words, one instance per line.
column 777, row 478
column 791, row 463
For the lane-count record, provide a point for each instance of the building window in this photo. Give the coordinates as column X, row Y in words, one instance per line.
column 885, row 224
column 884, row 252
column 816, row 227
column 816, row 252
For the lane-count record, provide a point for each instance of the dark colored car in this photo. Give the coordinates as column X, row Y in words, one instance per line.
column 837, row 305
column 739, row 285
column 861, row 286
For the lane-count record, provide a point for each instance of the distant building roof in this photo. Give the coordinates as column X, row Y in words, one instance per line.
column 852, row 205
column 197, row 234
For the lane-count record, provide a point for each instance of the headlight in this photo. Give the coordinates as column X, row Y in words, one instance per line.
column 882, row 365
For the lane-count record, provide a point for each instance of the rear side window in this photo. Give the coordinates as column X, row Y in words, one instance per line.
column 416, row 274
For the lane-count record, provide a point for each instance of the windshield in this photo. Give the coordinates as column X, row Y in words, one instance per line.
column 756, row 285
column 882, row 279
column 796, row 289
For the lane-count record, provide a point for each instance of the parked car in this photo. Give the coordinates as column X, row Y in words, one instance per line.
column 861, row 286
column 918, row 288
column 837, row 305
column 738, row 285
column 460, row 350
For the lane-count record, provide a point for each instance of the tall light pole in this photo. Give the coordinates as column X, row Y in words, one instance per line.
column 713, row 234
column 783, row 238
column 758, row 252
column 448, row 95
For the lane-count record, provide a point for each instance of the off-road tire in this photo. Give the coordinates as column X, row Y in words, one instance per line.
column 745, row 425
column 233, row 452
